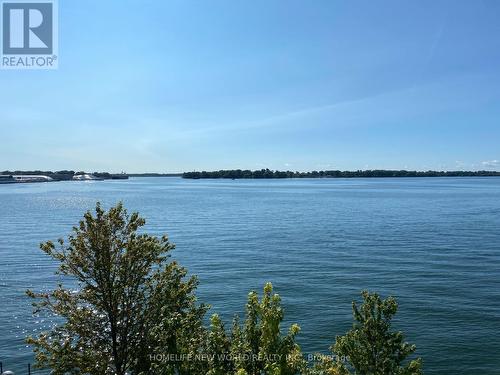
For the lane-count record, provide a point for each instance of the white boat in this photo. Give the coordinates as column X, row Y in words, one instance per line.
column 87, row 177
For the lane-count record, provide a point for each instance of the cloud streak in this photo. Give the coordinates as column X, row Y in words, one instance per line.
column 491, row 163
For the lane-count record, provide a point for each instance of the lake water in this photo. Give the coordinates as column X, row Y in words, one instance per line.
column 434, row 243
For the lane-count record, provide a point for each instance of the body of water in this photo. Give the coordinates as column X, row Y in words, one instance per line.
column 434, row 243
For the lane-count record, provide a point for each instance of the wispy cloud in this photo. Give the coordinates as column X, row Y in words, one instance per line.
column 491, row 163
column 344, row 111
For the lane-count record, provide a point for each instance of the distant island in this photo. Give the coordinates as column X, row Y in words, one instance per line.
column 267, row 174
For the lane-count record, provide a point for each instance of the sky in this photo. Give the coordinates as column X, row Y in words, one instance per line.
column 180, row 85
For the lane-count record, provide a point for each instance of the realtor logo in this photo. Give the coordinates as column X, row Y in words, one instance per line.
column 29, row 34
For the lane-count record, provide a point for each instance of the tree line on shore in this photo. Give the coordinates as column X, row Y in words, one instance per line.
column 135, row 311
column 267, row 173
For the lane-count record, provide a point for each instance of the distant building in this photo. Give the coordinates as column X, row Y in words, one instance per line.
column 32, row 178
column 7, row 179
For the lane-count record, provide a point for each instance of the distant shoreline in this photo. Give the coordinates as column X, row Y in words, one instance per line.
column 381, row 173
column 8, row 177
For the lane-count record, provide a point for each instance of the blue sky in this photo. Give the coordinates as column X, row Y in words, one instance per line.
column 189, row 85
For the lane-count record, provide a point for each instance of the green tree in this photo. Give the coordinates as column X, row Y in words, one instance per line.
column 174, row 326
column 327, row 365
column 218, row 348
column 371, row 347
column 128, row 302
column 259, row 347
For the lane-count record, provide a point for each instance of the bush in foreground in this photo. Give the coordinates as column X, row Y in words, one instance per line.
column 371, row 347
column 257, row 347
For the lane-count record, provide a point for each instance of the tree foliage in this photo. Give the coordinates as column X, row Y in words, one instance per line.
column 128, row 301
column 371, row 347
column 258, row 346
